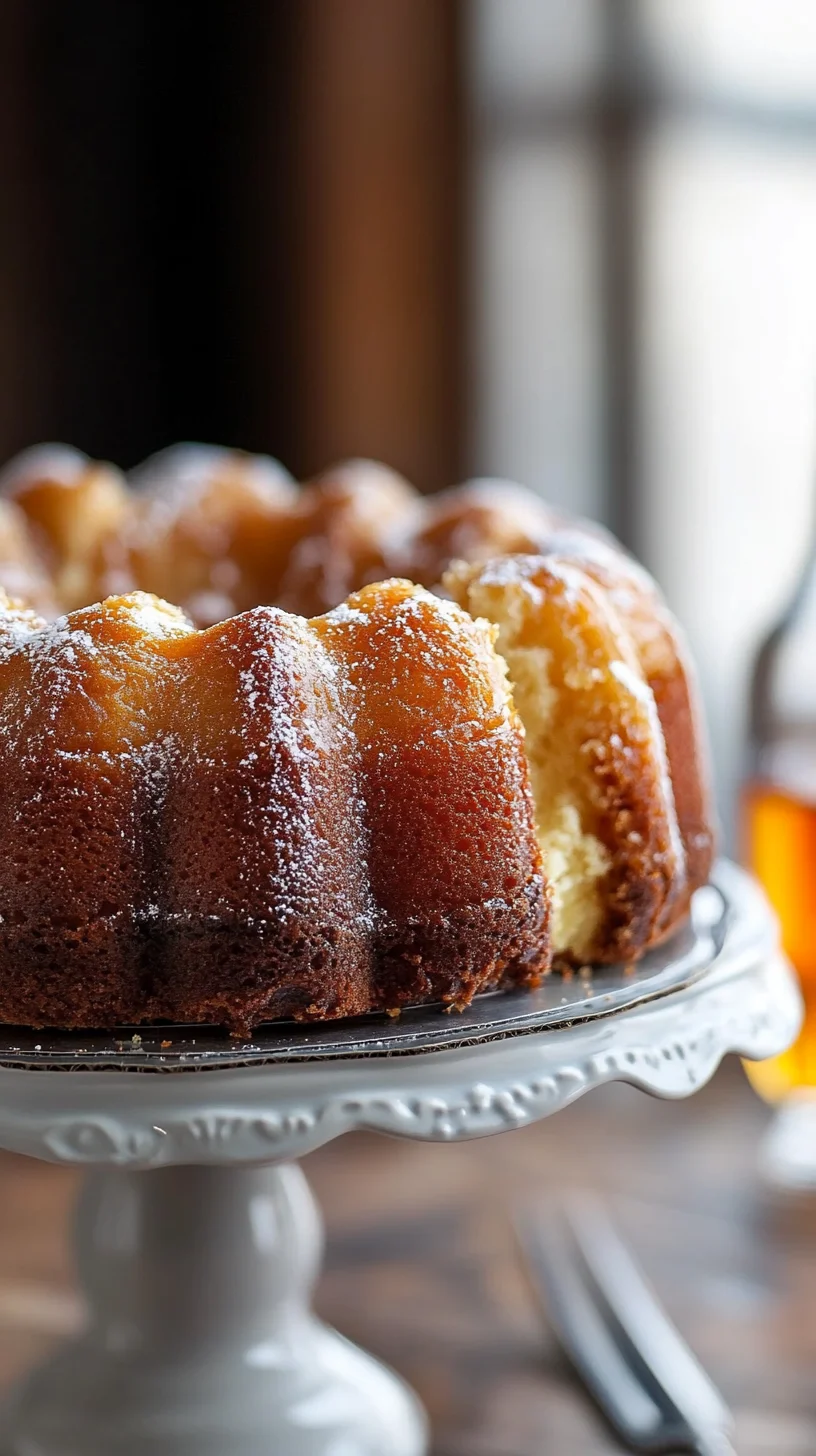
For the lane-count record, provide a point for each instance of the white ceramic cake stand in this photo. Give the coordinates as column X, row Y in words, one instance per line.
column 198, row 1240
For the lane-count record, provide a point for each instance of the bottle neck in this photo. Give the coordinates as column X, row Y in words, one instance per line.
column 783, row 690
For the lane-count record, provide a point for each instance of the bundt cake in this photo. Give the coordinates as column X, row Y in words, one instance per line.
column 613, row 742
column 76, row 510
column 219, row 531
column 310, row 791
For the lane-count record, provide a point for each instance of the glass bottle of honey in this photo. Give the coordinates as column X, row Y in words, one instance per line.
column 779, row 817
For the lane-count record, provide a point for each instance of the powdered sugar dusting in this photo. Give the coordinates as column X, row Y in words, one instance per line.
column 281, row 801
column 346, row 613
column 58, row 464
column 189, row 469
column 155, row 617
column 512, row 571
column 631, row 680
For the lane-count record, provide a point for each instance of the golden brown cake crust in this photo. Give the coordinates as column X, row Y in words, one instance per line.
column 23, row 573
column 320, row 814
column 272, row 818
column 220, row 531
column 602, row 683
column 665, row 661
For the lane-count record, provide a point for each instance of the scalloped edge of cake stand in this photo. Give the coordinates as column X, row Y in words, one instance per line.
column 198, row 1272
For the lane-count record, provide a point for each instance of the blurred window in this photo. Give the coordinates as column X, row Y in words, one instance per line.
column 644, row 293
column 536, row 72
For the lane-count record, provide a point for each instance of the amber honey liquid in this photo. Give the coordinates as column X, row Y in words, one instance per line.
column 780, row 846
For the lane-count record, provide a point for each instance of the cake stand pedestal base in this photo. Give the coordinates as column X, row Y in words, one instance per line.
column 200, row 1340
column 198, row 1241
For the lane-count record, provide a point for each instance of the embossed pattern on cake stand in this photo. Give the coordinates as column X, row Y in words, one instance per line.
column 198, row 1240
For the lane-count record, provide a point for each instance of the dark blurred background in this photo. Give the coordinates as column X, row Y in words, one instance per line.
column 567, row 241
column 234, row 222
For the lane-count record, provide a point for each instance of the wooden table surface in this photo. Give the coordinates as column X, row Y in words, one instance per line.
column 421, row 1267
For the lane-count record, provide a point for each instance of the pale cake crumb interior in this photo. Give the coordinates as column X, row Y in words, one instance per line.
column 575, row 859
